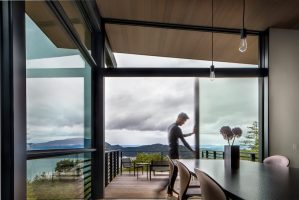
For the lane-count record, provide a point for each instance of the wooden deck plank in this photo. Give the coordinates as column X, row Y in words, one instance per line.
column 126, row 186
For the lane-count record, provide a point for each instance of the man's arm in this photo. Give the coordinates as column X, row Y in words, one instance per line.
column 185, row 142
column 188, row 134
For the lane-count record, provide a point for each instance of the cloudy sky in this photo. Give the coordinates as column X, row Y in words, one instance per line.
column 138, row 110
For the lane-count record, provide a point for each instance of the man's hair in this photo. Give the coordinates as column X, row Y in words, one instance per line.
column 183, row 115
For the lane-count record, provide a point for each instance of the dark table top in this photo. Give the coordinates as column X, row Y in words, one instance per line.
column 252, row 180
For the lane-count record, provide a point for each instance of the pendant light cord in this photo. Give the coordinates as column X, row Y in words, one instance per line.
column 212, row 33
column 243, row 14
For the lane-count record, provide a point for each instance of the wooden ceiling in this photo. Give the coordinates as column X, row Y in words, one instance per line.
column 180, row 44
column 259, row 15
column 41, row 14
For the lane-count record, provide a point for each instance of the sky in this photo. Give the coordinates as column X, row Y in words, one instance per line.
column 137, row 110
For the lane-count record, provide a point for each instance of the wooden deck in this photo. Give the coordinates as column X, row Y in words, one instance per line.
column 126, row 186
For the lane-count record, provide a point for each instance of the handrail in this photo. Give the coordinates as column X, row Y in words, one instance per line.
column 36, row 154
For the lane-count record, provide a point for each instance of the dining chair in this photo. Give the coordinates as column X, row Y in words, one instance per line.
column 128, row 163
column 209, row 188
column 173, row 172
column 277, row 160
column 185, row 176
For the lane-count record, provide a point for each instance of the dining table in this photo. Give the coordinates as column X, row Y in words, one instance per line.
column 252, row 180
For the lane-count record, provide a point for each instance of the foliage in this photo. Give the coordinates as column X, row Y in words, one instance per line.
column 148, row 157
column 65, row 165
column 252, row 137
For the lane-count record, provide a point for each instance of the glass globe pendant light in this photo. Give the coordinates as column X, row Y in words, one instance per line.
column 243, row 41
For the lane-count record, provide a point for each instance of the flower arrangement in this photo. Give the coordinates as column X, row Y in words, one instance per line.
column 230, row 134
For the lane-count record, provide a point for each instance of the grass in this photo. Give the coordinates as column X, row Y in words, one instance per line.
column 56, row 189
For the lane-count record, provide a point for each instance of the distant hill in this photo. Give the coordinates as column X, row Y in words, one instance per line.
column 153, row 148
column 126, row 151
column 60, row 144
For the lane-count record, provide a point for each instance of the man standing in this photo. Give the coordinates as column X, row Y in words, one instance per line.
column 175, row 133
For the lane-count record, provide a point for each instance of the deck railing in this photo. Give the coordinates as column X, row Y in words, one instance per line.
column 208, row 154
column 112, row 159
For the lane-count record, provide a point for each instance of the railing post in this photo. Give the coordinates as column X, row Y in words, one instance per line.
column 223, row 154
column 252, row 155
column 106, row 169
column 207, row 154
column 202, row 154
column 110, row 167
column 117, row 162
column 114, row 164
column 121, row 162
column 214, row 152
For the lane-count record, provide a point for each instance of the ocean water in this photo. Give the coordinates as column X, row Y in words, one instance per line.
column 38, row 166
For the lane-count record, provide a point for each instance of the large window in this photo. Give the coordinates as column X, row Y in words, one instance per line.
column 58, row 92
column 229, row 102
column 139, row 111
column 58, row 81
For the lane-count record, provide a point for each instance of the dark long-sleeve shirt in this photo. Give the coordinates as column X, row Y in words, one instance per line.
column 174, row 134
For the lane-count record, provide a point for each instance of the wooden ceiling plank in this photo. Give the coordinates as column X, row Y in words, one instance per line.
column 180, row 44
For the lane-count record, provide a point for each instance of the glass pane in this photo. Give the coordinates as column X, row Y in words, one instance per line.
column 58, row 84
column 78, row 22
column 138, row 112
column 229, row 102
column 124, row 60
column 47, row 43
column 64, row 177
column 57, row 117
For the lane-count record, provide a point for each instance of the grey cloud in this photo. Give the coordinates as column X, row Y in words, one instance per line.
column 152, row 105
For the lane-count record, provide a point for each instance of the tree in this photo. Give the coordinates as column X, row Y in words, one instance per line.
column 252, row 137
column 65, row 165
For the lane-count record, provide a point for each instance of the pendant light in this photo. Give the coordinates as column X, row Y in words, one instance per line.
column 243, row 41
column 212, row 68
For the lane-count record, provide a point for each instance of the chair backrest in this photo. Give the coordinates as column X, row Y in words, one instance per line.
column 209, row 188
column 126, row 162
column 160, row 165
column 277, row 160
column 185, row 177
column 171, row 167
